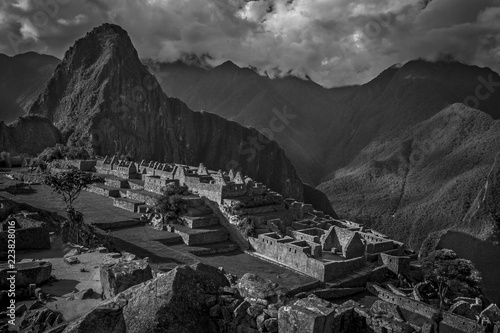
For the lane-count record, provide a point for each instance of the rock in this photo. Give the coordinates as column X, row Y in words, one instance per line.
column 36, row 272
column 260, row 321
column 253, row 286
column 271, row 324
column 226, row 314
column 172, row 303
column 102, row 249
column 271, row 313
column 259, row 301
column 255, row 310
column 211, row 301
column 73, row 252
column 241, row 310
column 71, row 260
column 381, row 307
column 35, row 305
column 228, row 291
column 21, row 309
column 311, row 314
column 301, row 295
column 126, row 256
column 122, row 275
column 215, row 311
column 115, row 255
column 492, row 312
column 31, row 290
column 84, row 294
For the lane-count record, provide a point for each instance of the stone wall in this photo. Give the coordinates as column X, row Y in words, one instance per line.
column 406, row 303
column 31, row 234
column 287, row 252
column 454, row 323
column 398, row 265
column 149, row 199
column 334, row 269
column 83, row 165
column 210, row 191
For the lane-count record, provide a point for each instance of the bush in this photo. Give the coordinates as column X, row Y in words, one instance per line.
column 60, row 151
column 170, row 204
column 5, row 159
column 246, row 227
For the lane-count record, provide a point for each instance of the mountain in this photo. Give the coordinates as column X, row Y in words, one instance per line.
column 422, row 180
column 331, row 126
column 21, row 80
column 435, row 185
column 28, row 135
column 103, row 98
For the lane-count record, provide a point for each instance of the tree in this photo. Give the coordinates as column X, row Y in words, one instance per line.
column 170, row 204
column 69, row 185
column 444, row 270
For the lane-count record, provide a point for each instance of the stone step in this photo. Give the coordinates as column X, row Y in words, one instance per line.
column 143, row 209
column 198, row 211
column 197, row 222
column 105, row 190
column 193, row 201
column 212, row 234
column 128, row 204
column 214, row 248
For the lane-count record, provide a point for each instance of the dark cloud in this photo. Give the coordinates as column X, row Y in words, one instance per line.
column 335, row 42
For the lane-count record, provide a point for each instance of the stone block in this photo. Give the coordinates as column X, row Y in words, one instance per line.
column 297, row 319
column 120, row 276
column 36, row 272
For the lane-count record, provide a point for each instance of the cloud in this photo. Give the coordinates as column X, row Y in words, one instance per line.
column 335, row 42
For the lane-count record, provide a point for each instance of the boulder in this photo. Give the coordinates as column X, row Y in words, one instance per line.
column 171, row 302
column 241, row 310
column 253, row 286
column 307, row 315
column 84, row 294
column 271, row 324
column 122, row 275
column 385, row 308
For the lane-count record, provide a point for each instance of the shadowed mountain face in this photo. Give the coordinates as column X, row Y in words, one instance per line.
column 21, row 80
column 327, row 128
column 28, row 135
column 423, row 180
column 102, row 97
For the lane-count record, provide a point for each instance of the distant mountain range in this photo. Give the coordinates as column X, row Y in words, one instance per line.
column 21, row 80
column 323, row 129
column 437, row 184
column 330, row 126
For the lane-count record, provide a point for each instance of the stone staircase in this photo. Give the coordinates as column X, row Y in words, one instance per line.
column 200, row 227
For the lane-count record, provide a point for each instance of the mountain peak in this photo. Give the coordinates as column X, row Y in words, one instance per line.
column 228, row 65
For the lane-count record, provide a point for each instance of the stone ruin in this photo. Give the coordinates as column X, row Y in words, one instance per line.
column 228, row 205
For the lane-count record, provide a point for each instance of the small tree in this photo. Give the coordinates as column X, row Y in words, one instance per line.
column 170, row 204
column 443, row 270
column 69, row 185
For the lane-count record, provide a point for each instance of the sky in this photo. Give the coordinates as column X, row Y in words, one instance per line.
column 334, row 42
